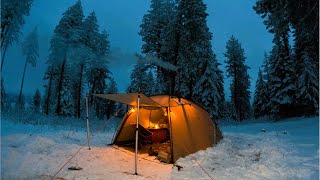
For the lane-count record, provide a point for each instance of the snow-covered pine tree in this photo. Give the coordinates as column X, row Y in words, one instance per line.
column 67, row 32
column 307, row 69
column 3, row 96
column 229, row 112
column 283, row 85
column 49, row 98
column 151, row 83
column 160, row 86
column 237, row 70
column 261, row 97
column 306, row 40
column 308, row 85
column 30, row 49
column 152, row 30
column 195, row 50
column 98, row 72
column 153, row 23
column 220, row 88
column 109, row 106
column 303, row 17
column 280, row 17
column 12, row 20
column 98, row 86
column 82, row 54
column 139, row 79
column 169, row 52
column 205, row 91
column 36, row 101
column 100, row 46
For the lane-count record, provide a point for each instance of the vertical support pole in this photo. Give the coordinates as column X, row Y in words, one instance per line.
column 170, row 124
column 137, row 133
column 88, row 128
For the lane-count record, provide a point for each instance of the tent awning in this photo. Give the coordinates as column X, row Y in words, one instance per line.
column 130, row 99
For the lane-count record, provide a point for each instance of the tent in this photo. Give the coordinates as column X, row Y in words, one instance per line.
column 185, row 125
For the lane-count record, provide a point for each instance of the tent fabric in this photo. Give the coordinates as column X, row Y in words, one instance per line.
column 165, row 100
column 192, row 128
column 130, row 99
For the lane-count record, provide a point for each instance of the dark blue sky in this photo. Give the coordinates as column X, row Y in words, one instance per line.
column 121, row 19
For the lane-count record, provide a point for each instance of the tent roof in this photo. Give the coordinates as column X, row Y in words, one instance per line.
column 130, row 99
column 166, row 100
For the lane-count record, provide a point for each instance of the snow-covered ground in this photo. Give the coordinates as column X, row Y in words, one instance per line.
column 287, row 149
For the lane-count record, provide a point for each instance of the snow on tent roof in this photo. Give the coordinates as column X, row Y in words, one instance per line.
column 130, row 99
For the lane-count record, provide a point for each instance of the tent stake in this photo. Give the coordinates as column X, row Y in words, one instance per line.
column 137, row 133
column 88, row 128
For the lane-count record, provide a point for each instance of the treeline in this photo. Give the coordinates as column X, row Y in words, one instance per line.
column 176, row 32
column 288, row 84
column 76, row 66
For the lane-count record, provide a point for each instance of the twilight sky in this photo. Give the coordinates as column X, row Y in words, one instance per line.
column 121, row 19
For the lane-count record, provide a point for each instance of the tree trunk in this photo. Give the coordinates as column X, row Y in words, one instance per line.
column 58, row 110
column 79, row 92
column 3, row 56
column 235, row 100
column 49, row 93
column 24, row 72
column 92, row 91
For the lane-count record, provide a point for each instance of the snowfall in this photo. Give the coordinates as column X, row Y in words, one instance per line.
column 257, row 149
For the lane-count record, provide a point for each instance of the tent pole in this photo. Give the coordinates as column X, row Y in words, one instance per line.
column 137, row 133
column 88, row 128
column 171, row 140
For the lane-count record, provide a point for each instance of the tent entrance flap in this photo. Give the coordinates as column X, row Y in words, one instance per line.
column 130, row 99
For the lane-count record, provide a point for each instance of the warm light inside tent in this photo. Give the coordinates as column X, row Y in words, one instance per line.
column 156, row 126
column 132, row 110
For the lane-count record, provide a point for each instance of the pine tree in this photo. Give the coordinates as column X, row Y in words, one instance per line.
column 66, row 36
column 206, row 90
column 237, row 70
column 160, row 86
column 308, row 85
column 169, row 52
column 266, row 75
column 36, row 101
column 153, row 31
column 12, row 20
column 139, row 79
column 110, row 105
column 151, row 83
column 30, row 49
column 301, row 18
column 195, row 50
column 49, row 95
column 283, row 86
column 220, row 88
column 260, row 97
column 229, row 112
column 98, row 71
column 98, row 87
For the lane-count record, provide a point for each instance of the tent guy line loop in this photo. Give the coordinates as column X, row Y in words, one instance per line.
column 86, row 143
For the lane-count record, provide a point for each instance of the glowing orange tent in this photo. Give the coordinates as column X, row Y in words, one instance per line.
column 189, row 126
